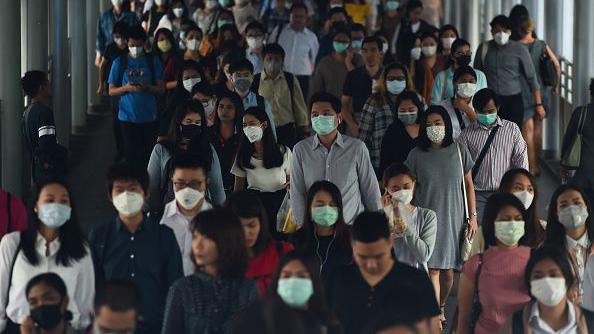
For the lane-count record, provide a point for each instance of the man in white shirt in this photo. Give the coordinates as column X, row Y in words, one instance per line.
column 254, row 36
column 189, row 184
column 300, row 45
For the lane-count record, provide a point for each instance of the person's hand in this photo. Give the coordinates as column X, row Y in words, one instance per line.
column 349, row 57
column 28, row 326
column 130, row 88
column 288, row 186
column 97, row 59
column 386, row 199
column 472, row 228
column 540, row 112
column 100, row 90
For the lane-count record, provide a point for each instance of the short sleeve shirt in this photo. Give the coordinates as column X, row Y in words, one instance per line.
column 262, row 179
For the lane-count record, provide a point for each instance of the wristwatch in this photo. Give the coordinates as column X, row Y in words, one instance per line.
column 475, row 214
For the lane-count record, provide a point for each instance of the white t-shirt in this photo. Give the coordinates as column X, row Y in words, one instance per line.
column 262, row 179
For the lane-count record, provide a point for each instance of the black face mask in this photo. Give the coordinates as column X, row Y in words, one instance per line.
column 463, row 60
column 191, row 130
column 47, row 316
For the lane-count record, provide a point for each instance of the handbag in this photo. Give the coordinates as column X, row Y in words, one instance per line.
column 571, row 158
column 465, row 243
column 285, row 223
column 548, row 72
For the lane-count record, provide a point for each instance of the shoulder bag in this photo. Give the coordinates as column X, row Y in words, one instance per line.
column 571, row 159
column 465, row 243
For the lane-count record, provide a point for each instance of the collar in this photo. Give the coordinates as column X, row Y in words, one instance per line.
column 296, row 31
column 145, row 224
column 171, row 209
column 499, row 122
column 339, row 141
column 251, row 97
column 583, row 241
column 534, row 316
column 265, row 76
column 40, row 243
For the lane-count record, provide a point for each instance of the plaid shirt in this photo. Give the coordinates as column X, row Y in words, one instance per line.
column 376, row 117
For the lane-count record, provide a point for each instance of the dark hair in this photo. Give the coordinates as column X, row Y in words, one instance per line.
column 462, row 70
column 374, row 39
column 409, row 95
column 273, row 49
column 459, row 42
column 429, row 34
column 341, row 29
column 189, row 161
column 241, row 65
column 203, row 87
column 191, row 65
column 413, row 4
column 423, row 141
column 518, row 14
column 50, row 279
column 118, row 296
column 72, row 242
column 272, row 155
column 246, row 204
column 502, row 21
column 170, row 13
column 370, row 227
column 555, row 233
column 495, row 204
column 358, row 27
column 326, row 97
column 32, row 82
column 169, row 36
column 298, row 5
column 390, row 318
column 394, row 170
column 255, row 25
column 336, row 10
column 136, row 32
column 224, row 228
column 447, row 27
column 121, row 28
column 125, row 171
column 482, row 98
column 237, row 103
column 549, row 253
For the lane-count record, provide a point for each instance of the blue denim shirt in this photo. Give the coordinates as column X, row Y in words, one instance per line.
column 105, row 27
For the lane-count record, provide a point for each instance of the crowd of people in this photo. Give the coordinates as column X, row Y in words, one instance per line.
column 306, row 167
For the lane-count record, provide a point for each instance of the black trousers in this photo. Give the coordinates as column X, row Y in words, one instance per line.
column 511, row 108
column 287, row 135
column 138, row 139
column 117, row 130
column 272, row 202
column 11, row 327
column 304, row 84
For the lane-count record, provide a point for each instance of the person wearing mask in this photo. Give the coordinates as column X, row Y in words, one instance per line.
column 493, row 281
column 225, row 35
column 570, row 228
column 276, row 17
column 376, row 282
column 165, row 48
column 178, row 15
column 152, row 17
column 430, row 64
column 414, row 228
column 264, row 252
column 262, row 165
column 188, row 134
column 283, row 90
column 191, row 41
column 448, row 34
column 48, row 299
column 331, row 156
column 207, row 301
column 244, row 13
column 358, row 35
column 331, row 72
column 118, row 12
column 116, row 308
column 548, row 278
column 13, row 216
column 461, row 111
column 137, row 79
column 189, row 185
column 296, row 294
column 389, row 22
column 206, row 17
column 225, row 134
column 360, row 83
column 134, row 247
column 379, row 112
column 300, row 45
column 223, row 81
column 506, row 63
column 52, row 243
column 448, row 165
column 402, row 135
column 324, row 234
column 254, row 37
column 337, row 19
column 495, row 145
column 411, row 27
column 203, row 93
column 112, row 52
column 460, row 55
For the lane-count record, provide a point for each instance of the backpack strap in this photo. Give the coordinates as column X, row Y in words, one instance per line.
column 123, row 64
column 9, row 211
column 150, row 61
column 260, row 101
column 484, row 51
column 291, row 83
column 256, row 83
column 518, row 322
column 26, row 132
column 444, row 84
column 14, row 258
column 582, row 120
column 280, row 28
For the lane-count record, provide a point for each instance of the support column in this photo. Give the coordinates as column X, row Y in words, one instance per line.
column 36, row 34
column 92, row 12
column 60, row 71
column 471, row 23
column 78, row 68
column 583, row 54
column 11, row 101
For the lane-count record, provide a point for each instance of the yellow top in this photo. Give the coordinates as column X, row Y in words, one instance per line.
column 358, row 12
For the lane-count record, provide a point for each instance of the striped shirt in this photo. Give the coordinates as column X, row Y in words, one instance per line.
column 507, row 151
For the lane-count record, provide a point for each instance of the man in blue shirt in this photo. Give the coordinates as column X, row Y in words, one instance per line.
column 137, row 78
column 105, row 25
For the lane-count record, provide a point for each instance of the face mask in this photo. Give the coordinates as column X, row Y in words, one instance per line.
column 210, row 4
column 160, row 2
column 119, row 41
column 447, row 42
column 325, row 216
column 463, row 60
column 255, row 43
column 486, row 119
column 407, row 118
column 224, row 3
column 436, row 133
column 466, row 90
column 178, row 12
column 164, row 46
column 396, row 86
column 501, row 38
column 323, row 125
column 253, row 133
column 295, row 291
column 188, row 198
column 336, row 5
column 193, row 44
column 97, row 330
column 509, row 232
column 415, row 53
column 525, row 197
column 47, row 316
column 415, row 27
column 190, row 83
column 136, row 51
column 548, row 290
column 392, row 5
column 573, row 216
column 54, row 215
column 128, row 203
column 340, row 47
column 117, row 3
column 242, row 85
column 384, row 47
column 221, row 23
column 190, row 131
column 273, row 67
column 403, row 196
column 357, row 44
column 429, row 51
column 208, row 108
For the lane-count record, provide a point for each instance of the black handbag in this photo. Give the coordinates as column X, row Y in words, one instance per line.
column 548, row 72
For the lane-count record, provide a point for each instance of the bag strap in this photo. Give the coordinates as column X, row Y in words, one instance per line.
column 291, row 84
column 484, row 51
column 26, row 129
column 484, row 151
column 14, row 258
column 583, row 115
column 280, row 27
column 518, row 322
column 466, row 213
column 9, row 211
column 123, row 65
column 444, row 84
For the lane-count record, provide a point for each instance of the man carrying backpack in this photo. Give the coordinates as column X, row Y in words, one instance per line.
column 137, row 78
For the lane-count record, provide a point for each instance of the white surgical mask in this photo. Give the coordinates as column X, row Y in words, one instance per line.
column 253, row 133
column 178, row 12
column 466, row 90
column 128, row 203
column 160, row 2
column 189, row 83
column 208, row 108
column 436, row 133
column 117, row 2
column 136, row 51
column 509, row 232
column 415, row 27
column 210, row 4
column 188, row 198
column 119, row 41
column 525, row 197
column 501, row 38
column 255, row 43
column 193, row 44
column 54, row 215
column 548, row 290
column 429, row 51
column 415, row 53
column 573, row 216
column 403, row 196
column 396, row 86
column 447, row 42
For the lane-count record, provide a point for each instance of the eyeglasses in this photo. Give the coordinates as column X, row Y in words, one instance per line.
column 182, row 184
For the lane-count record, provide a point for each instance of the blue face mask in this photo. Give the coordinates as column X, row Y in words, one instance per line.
column 357, row 44
column 392, row 5
column 396, row 87
column 295, row 291
column 54, row 215
column 323, row 125
column 487, row 119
